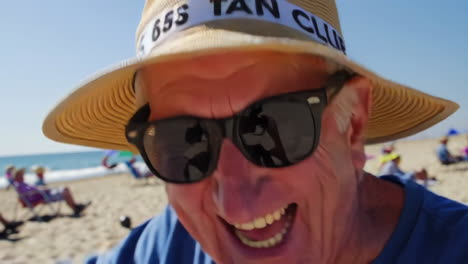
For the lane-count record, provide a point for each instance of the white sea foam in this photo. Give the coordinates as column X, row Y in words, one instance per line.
column 78, row 174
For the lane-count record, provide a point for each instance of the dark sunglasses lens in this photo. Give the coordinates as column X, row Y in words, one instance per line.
column 178, row 149
column 278, row 132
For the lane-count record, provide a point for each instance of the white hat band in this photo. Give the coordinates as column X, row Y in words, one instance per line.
column 196, row 12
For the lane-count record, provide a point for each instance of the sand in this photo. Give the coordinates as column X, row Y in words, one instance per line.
column 419, row 154
column 67, row 238
column 72, row 239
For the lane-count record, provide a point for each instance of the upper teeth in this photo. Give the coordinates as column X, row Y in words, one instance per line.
column 262, row 221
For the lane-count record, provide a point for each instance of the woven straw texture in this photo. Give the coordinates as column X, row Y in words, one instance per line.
column 97, row 112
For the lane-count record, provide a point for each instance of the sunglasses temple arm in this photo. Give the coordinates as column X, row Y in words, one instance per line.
column 132, row 130
column 336, row 83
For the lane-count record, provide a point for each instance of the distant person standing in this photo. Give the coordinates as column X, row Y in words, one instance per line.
column 9, row 174
column 40, row 176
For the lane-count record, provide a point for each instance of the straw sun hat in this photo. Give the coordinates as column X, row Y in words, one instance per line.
column 97, row 112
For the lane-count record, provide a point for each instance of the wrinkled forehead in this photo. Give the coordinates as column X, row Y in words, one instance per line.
column 201, row 84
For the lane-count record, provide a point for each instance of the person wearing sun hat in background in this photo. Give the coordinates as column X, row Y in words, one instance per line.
column 39, row 170
column 41, row 194
column 392, row 167
column 9, row 175
column 256, row 119
column 386, row 154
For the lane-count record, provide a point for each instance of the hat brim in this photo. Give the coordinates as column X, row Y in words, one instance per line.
column 97, row 112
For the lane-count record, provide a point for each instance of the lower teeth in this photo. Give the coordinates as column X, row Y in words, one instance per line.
column 273, row 241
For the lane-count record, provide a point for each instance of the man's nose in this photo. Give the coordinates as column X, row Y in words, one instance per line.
column 236, row 181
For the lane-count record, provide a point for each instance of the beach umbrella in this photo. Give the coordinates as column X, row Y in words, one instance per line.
column 452, row 132
column 116, row 153
column 111, row 152
column 125, row 154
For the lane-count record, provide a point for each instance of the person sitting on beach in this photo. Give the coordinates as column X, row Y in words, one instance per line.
column 392, row 167
column 256, row 119
column 386, row 154
column 444, row 155
column 40, row 175
column 35, row 194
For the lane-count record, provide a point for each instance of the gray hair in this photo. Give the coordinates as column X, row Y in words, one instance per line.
column 344, row 103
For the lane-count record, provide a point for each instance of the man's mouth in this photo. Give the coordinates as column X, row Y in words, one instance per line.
column 266, row 231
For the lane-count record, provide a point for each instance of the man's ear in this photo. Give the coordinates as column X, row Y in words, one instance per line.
column 360, row 117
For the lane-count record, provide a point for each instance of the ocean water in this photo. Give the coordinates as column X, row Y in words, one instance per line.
column 66, row 166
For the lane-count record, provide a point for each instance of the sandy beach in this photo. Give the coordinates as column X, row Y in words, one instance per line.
column 452, row 180
column 70, row 240
column 67, row 238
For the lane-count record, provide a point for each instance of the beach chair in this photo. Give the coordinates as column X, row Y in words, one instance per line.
column 136, row 173
column 35, row 207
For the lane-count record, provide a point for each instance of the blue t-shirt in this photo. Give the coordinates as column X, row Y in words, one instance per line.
column 431, row 229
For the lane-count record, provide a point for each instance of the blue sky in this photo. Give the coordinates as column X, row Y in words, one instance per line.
column 47, row 47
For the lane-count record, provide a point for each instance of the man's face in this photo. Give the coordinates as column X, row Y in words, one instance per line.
column 298, row 213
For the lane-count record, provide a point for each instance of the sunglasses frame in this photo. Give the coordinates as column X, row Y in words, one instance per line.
column 317, row 100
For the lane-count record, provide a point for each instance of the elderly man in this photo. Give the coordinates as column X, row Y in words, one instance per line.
column 256, row 120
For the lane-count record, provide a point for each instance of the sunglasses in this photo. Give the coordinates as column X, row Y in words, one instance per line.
column 275, row 132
